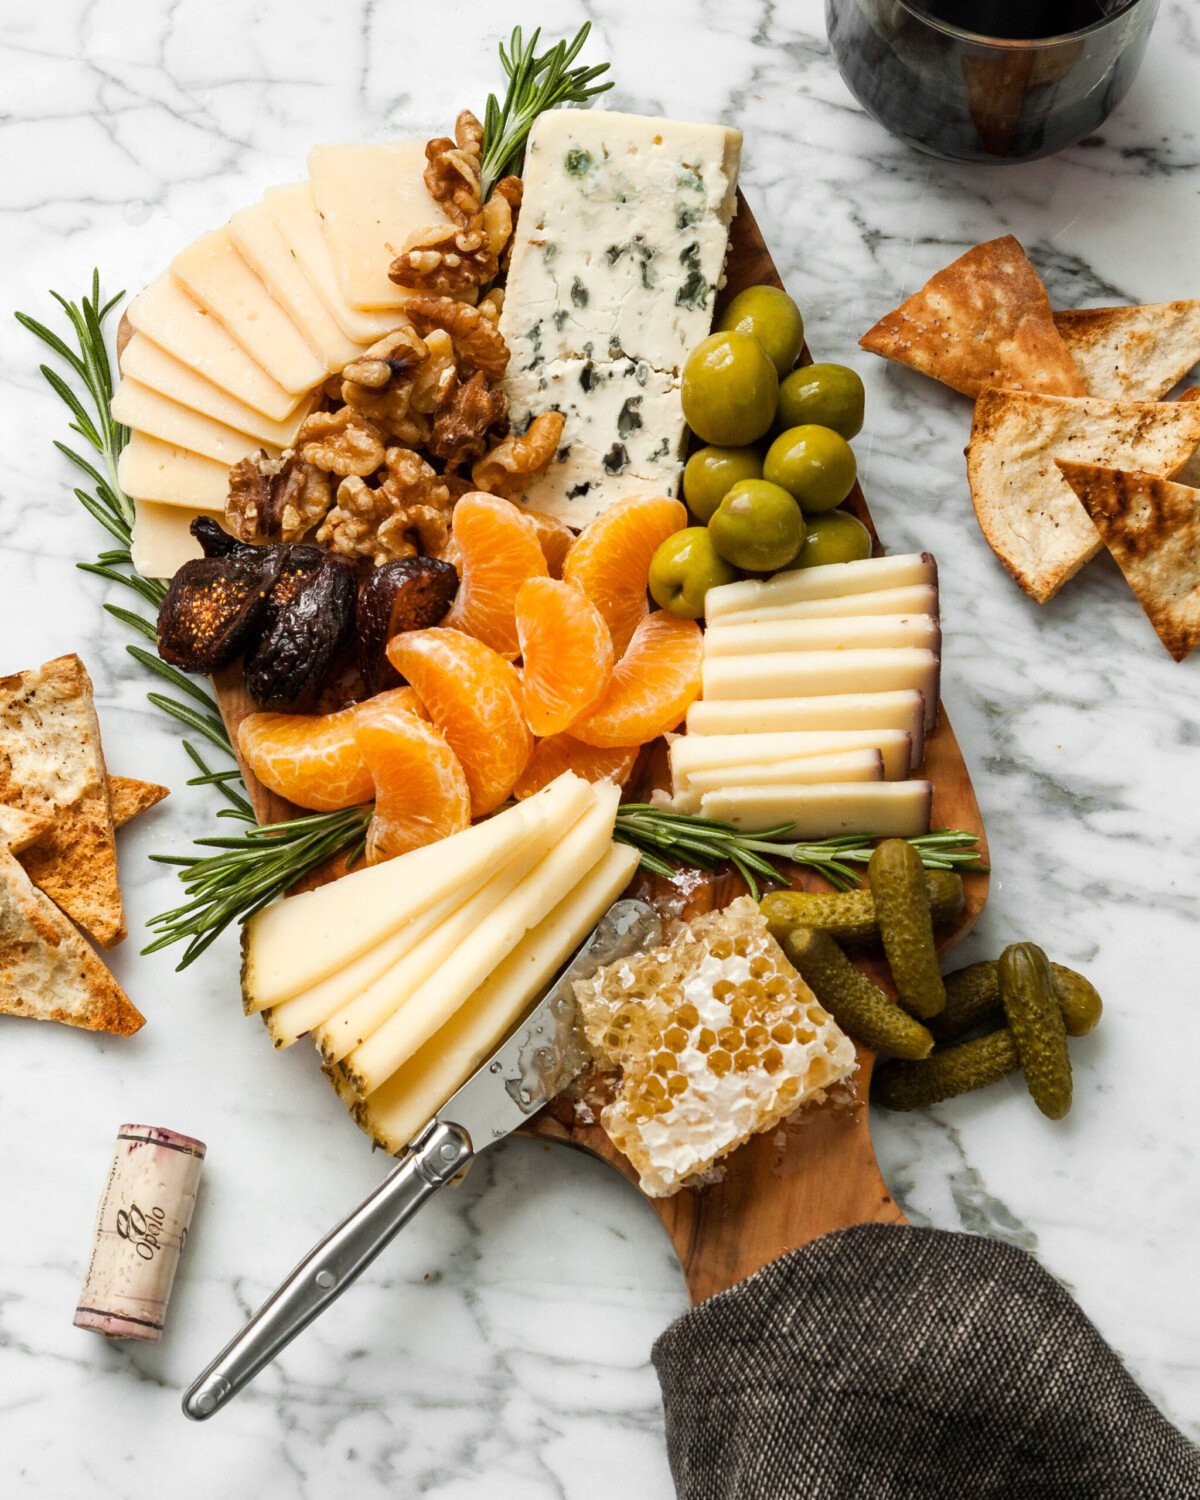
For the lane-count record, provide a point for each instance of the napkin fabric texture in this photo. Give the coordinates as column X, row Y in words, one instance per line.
column 893, row 1363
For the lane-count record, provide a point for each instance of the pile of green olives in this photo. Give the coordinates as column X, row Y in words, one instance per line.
column 777, row 462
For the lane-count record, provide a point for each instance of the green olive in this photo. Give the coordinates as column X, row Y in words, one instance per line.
column 757, row 527
column 729, row 390
column 829, row 395
column 834, row 537
column 768, row 314
column 711, row 473
column 684, row 568
column 813, row 464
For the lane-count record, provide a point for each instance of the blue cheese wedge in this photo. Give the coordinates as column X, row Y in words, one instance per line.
column 618, row 255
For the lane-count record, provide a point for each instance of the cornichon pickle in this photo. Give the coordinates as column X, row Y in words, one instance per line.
column 973, row 999
column 954, row 1071
column 1036, row 1022
column 897, row 879
column 851, row 999
column 849, row 916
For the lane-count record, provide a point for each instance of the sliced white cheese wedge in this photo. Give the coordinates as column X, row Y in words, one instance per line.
column 887, row 809
column 903, row 709
column 912, row 599
column 146, row 411
column 419, row 1087
column 729, row 637
column 805, row 674
column 165, row 313
column 371, row 198
column 162, row 542
column 808, row 770
column 294, row 943
column 150, row 470
column 156, row 370
column 830, row 581
column 431, row 1005
column 705, row 752
column 269, row 255
column 295, row 215
column 217, row 277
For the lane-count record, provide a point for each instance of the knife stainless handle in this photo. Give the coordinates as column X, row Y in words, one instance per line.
column 436, row 1156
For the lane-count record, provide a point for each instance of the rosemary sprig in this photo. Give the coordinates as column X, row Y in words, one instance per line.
column 667, row 840
column 535, row 84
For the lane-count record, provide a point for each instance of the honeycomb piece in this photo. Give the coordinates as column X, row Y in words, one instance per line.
column 716, row 1038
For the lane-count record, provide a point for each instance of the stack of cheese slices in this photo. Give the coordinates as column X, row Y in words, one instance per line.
column 819, row 686
column 408, row 973
column 232, row 344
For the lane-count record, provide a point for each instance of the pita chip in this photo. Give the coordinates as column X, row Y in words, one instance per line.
column 129, row 798
column 52, row 765
column 20, row 829
column 47, row 970
column 1133, row 353
column 1027, row 512
column 1151, row 525
column 984, row 320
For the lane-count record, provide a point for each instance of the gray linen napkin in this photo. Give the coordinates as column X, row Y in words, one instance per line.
column 892, row 1363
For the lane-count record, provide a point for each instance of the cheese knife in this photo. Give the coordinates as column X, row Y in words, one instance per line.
column 542, row 1056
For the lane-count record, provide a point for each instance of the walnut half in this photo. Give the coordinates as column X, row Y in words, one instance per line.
column 275, row 499
column 507, row 469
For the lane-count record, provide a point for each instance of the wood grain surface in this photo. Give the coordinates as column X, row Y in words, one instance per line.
column 818, row 1173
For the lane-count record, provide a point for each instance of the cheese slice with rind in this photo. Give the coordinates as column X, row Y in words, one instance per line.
column 805, row 770
column 902, row 709
column 886, row 809
column 431, row 1004
column 730, row 637
column 908, row 599
column 217, row 277
column 418, row 1088
column 165, row 313
column 706, row 752
column 146, row 411
column 805, row 674
column 829, row 581
column 291, row 945
column 152, row 470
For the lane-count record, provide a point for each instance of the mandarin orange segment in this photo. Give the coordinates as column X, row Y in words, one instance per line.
column 610, row 559
column 566, row 651
column 498, row 550
column 555, row 538
column 651, row 687
column 474, row 697
column 312, row 760
column 562, row 753
column 421, row 792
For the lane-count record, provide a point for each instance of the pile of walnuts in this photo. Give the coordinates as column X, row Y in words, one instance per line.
column 377, row 469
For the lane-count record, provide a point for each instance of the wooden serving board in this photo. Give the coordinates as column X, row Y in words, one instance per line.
column 818, row 1173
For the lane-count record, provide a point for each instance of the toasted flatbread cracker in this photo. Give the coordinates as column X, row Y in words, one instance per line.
column 128, row 797
column 984, row 320
column 20, row 829
column 1151, row 526
column 1132, row 353
column 1026, row 510
column 52, row 765
column 47, row 970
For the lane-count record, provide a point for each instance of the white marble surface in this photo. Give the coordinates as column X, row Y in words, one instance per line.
column 501, row 1348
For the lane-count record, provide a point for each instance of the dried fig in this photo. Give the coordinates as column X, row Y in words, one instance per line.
column 215, row 604
column 411, row 594
column 309, row 613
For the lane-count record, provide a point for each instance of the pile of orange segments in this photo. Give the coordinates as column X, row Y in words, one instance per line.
column 550, row 659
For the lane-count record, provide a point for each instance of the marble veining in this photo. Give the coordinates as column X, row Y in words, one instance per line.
column 501, row 1348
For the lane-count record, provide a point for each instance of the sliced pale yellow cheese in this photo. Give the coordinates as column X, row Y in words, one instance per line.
column 830, row 581
column 217, row 277
column 151, row 470
column 367, row 1011
column 371, row 198
column 272, row 259
column 910, row 599
column 156, row 370
column 162, row 542
column 903, row 709
column 146, row 411
column 728, row 637
column 166, row 314
column 292, row 944
column 810, row 674
column 417, row 1090
column 431, row 1005
column 704, row 752
column 295, row 215
column 886, row 809
column 810, row 770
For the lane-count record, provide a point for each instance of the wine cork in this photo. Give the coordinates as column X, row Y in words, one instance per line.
column 141, row 1228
